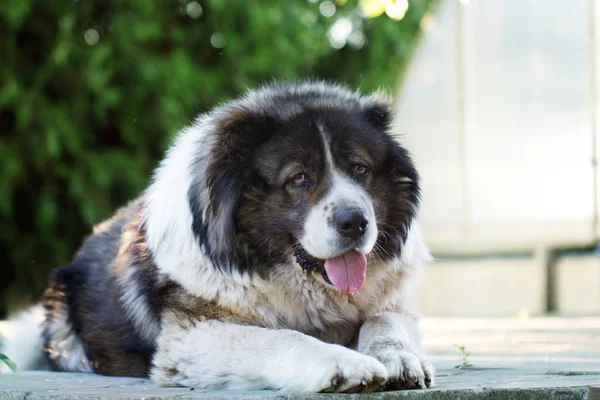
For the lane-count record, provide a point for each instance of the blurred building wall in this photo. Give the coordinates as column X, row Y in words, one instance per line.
column 499, row 108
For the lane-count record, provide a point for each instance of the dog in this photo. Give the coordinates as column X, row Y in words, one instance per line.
column 277, row 247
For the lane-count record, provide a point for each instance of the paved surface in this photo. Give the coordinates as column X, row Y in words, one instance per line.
column 540, row 358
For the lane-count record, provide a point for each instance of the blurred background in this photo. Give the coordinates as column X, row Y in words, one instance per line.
column 499, row 105
column 497, row 100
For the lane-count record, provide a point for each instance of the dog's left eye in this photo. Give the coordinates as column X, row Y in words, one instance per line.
column 360, row 169
column 299, row 180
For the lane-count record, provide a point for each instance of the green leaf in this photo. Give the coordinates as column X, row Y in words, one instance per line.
column 16, row 13
column 8, row 362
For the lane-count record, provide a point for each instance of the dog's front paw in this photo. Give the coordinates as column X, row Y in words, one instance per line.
column 406, row 369
column 357, row 373
column 345, row 370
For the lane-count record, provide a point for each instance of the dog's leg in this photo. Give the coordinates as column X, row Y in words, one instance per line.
column 219, row 355
column 394, row 339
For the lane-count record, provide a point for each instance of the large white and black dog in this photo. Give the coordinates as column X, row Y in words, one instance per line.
column 276, row 248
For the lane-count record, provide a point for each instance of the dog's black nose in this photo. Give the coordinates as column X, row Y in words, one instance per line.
column 351, row 222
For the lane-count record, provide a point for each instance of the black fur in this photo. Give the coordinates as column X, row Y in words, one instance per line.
column 225, row 176
column 89, row 292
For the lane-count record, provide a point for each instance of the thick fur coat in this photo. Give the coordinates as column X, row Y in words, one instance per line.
column 277, row 247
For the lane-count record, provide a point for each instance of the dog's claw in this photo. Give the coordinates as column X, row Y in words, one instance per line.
column 335, row 382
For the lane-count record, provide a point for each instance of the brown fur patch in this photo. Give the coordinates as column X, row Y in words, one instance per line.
column 189, row 310
column 55, row 307
column 133, row 249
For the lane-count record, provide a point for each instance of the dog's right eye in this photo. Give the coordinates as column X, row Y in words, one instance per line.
column 299, row 180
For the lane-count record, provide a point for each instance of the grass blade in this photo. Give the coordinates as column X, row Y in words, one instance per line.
column 8, row 362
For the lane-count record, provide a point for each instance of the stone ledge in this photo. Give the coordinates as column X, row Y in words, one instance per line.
column 466, row 384
column 514, row 359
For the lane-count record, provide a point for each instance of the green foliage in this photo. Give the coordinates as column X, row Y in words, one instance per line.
column 91, row 92
column 8, row 362
column 5, row 359
column 464, row 354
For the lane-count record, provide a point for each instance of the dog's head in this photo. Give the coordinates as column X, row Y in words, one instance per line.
column 304, row 170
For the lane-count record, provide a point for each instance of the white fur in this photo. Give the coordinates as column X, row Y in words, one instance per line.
column 325, row 138
column 23, row 343
column 321, row 238
column 415, row 253
column 135, row 304
column 215, row 355
column 168, row 221
column 66, row 348
column 393, row 339
column 168, row 218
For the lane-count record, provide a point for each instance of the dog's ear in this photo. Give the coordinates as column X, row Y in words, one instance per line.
column 400, row 197
column 379, row 115
column 215, row 199
column 378, row 110
column 403, row 170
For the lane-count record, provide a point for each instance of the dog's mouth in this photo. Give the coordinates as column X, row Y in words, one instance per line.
column 346, row 272
column 311, row 264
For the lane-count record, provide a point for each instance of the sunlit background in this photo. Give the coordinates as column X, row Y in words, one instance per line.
column 497, row 100
column 499, row 106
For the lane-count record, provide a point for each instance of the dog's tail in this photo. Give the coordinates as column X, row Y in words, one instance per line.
column 22, row 340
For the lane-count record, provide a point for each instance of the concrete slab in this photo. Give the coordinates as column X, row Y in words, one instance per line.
column 452, row 384
column 577, row 281
column 540, row 358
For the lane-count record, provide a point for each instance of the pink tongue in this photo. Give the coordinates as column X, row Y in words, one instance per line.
column 347, row 272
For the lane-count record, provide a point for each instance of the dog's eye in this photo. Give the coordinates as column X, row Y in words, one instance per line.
column 360, row 169
column 299, row 180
